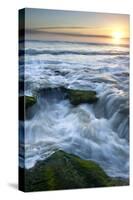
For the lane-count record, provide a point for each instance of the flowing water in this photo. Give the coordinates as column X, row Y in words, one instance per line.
column 99, row 131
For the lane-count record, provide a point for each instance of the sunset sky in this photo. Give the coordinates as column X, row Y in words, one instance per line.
column 77, row 26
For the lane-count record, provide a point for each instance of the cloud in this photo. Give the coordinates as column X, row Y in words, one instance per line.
column 57, row 31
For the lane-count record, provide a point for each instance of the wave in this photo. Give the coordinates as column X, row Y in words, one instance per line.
column 70, row 42
column 69, row 52
column 79, row 131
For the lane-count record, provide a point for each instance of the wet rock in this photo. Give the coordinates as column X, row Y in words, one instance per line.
column 25, row 102
column 77, row 97
column 66, row 171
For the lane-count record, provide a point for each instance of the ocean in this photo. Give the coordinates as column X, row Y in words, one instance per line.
column 98, row 132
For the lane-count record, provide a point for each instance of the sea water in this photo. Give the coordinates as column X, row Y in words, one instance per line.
column 98, row 132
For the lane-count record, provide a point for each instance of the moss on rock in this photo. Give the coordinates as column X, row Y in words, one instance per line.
column 75, row 96
column 25, row 102
column 79, row 96
column 66, row 171
column 30, row 101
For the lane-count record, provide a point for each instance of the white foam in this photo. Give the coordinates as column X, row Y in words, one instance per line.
column 98, row 132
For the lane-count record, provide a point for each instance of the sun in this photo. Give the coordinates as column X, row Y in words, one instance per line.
column 117, row 35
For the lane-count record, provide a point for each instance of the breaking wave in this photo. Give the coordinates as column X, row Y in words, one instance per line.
column 50, row 52
column 98, row 132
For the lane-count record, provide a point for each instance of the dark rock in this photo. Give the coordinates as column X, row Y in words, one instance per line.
column 25, row 102
column 30, row 101
column 77, row 97
column 65, row 171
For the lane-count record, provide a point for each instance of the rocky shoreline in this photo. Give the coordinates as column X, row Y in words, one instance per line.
column 66, row 171
column 63, row 170
column 75, row 97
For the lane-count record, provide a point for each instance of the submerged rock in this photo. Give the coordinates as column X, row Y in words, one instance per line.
column 75, row 96
column 25, row 102
column 30, row 101
column 79, row 96
column 65, row 171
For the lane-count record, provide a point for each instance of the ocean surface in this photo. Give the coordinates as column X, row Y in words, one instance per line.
column 99, row 131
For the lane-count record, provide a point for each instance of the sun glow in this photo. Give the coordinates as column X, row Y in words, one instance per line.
column 117, row 36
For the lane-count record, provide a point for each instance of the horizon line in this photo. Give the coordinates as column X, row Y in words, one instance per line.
column 38, row 31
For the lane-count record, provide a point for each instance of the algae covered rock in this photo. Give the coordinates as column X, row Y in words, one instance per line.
column 25, row 102
column 30, row 101
column 75, row 96
column 65, row 171
column 79, row 96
